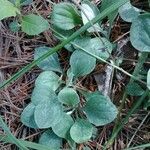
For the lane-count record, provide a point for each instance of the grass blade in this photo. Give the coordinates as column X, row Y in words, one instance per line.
column 11, row 137
column 28, row 144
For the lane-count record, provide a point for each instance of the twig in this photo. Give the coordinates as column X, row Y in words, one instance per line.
column 138, row 129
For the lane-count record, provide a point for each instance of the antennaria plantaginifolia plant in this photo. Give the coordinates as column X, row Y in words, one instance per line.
column 53, row 99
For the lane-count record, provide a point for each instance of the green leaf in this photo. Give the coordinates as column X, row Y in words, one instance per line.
column 14, row 26
column 22, row 2
column 51, row 63
column 134, row 89
column 62, row 128
column 128, row 12
column 81, row 131
column 148, row 79
column 50, row 139
column 27, row 116
column 48, row 79
column 84, row 42
column 7, row 9
column 33, row 24
column 100, row 47
column 42, row 94
column 99, row 109
column 25, row 2
column 81, row 63
column 68, row 96
column 88, row 12
column 47, row 114
column 65, row 16
column 140, row 33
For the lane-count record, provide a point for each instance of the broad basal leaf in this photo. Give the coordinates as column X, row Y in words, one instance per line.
column 33, row 24
column 134, row 89
column 27, row 116
column 51, row 63
column 14, row 26
column 99, row 109
column 81, row 63
column 84, row 42
column 25, row 2
column 42, row 94
column 101, row 47
column 21, row 2
column 128, row 12
column 62, row 128
column 68, row 96
column 148, row 79
column 81, row 131
column 140, row 33
column 48, row 79
column 88, row 12
column 65, row 16
column 98, row 46
column 50, row 139
column 47, row 114
column 7, row 9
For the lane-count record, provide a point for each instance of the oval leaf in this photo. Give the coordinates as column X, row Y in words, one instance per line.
column 99, row 109
column 62, row 128
column 100, row 47
column 68, row 96
column 33, row 24
column 128, row 12
column 81, row 63
column 134, row 89
column 14, row 26
column 47, row 114
column 81, row 131
column 140, row 33
column 27, row 116
column 88, row 12
column 48, row 79
column 25, row 2
column 42, row 94
column 65, row 16
column 7, row 9
column 50, row 139
column 51, row 63
column 148, row 79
